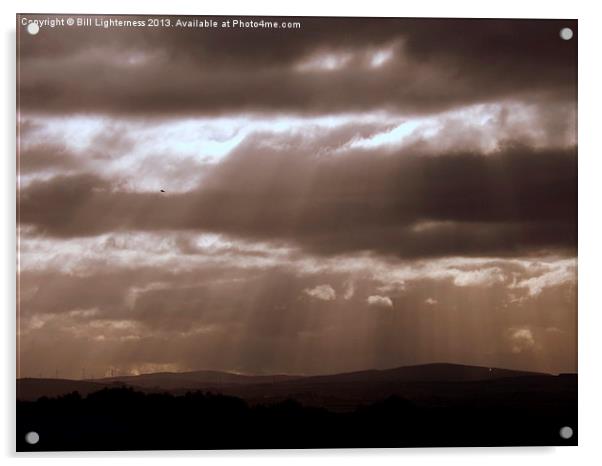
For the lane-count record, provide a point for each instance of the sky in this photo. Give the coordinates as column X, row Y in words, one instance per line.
column 347, row 195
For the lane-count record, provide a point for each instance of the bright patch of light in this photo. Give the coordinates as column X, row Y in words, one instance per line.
column 331, row 61
column 148, row 155
column 381, row 57
column 394, row 136
column 482, row 128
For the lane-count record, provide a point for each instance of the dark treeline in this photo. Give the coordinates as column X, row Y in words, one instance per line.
column 124, row 419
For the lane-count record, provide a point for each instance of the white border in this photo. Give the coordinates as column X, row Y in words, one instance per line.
column 590, row 234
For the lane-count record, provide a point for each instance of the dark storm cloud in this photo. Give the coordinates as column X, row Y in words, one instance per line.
column 436, row 64
column 517, row 200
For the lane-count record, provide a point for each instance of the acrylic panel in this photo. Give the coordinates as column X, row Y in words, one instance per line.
column 295, row 232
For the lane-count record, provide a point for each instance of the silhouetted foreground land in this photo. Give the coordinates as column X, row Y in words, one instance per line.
column 127, row 419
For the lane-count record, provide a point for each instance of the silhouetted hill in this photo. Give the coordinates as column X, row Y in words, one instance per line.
column 422, row 383
column 196, row 379
column 437, row 372
column 336, row 390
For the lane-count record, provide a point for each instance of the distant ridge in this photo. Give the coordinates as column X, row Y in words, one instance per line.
column 433, row 372
column 194, row 379
column 273, row 385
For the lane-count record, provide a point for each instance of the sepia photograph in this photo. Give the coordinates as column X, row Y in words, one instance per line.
column 262, row 232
